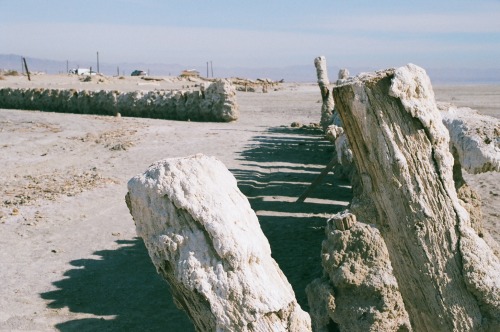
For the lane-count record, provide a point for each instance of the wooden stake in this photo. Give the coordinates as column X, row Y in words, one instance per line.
column 318, row 180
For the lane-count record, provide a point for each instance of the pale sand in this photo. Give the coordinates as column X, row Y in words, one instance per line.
column 70, row 259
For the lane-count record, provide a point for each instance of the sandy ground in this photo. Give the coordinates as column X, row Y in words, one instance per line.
column 70, row 259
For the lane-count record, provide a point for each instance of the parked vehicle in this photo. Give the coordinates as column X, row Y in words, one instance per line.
column 139, row 73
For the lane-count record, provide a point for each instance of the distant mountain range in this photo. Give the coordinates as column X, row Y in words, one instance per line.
column 299, row 73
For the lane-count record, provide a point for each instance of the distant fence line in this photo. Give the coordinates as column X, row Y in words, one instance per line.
column 217, row 103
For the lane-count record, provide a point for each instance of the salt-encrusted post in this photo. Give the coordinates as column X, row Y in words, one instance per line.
column 324, row 83
column 448, row 277
column 205, row 240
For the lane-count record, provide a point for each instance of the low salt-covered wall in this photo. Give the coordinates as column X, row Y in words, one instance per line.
column 216, row 103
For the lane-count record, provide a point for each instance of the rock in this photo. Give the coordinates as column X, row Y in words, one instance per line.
column 471, row 201
column 344, row 167
column 324, row 82
column 336, row 136
column 359, row 291
column 205, row 240
column 245, row 88
column 343, row 74
column 475, row 146
column 216, row 103
column 321, row 299
column 219, row 102
column 448, row 277
column 475, row 138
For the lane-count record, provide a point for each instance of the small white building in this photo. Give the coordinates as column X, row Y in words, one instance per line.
column 81, row 71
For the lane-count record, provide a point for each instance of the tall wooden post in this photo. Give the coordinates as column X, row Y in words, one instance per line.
column 98, row 62
column 447, row 275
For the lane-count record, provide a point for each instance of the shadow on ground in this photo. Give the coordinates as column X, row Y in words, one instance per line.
column 279, row 166
column 121, row 286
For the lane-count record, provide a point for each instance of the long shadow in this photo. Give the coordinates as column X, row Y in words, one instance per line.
column 278, row 166
column 122, row 289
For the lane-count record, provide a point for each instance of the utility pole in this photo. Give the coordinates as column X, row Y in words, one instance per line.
column 117, row 71
column 98, row 62
column 27, row 71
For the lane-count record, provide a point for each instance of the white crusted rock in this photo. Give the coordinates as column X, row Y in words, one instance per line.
column 219, row 102
column 343, row 75
column 344, row 164
column 475, row 138
column 205, row 240
column 343, row 154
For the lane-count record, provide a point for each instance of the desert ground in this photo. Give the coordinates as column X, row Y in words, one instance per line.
column 70, row 259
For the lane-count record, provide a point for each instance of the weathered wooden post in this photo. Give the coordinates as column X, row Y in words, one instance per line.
column 449, row 278
column 324, row 86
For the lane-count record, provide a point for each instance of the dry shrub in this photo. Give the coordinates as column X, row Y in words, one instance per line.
column 11, row 73
column 86, row 79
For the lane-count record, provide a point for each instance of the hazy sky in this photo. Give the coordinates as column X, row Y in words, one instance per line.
column 256, row 33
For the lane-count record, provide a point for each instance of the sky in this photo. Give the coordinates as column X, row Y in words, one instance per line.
column 257, row 33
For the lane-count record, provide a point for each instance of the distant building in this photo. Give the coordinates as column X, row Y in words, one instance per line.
column 82, row 71
column 190, row 73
